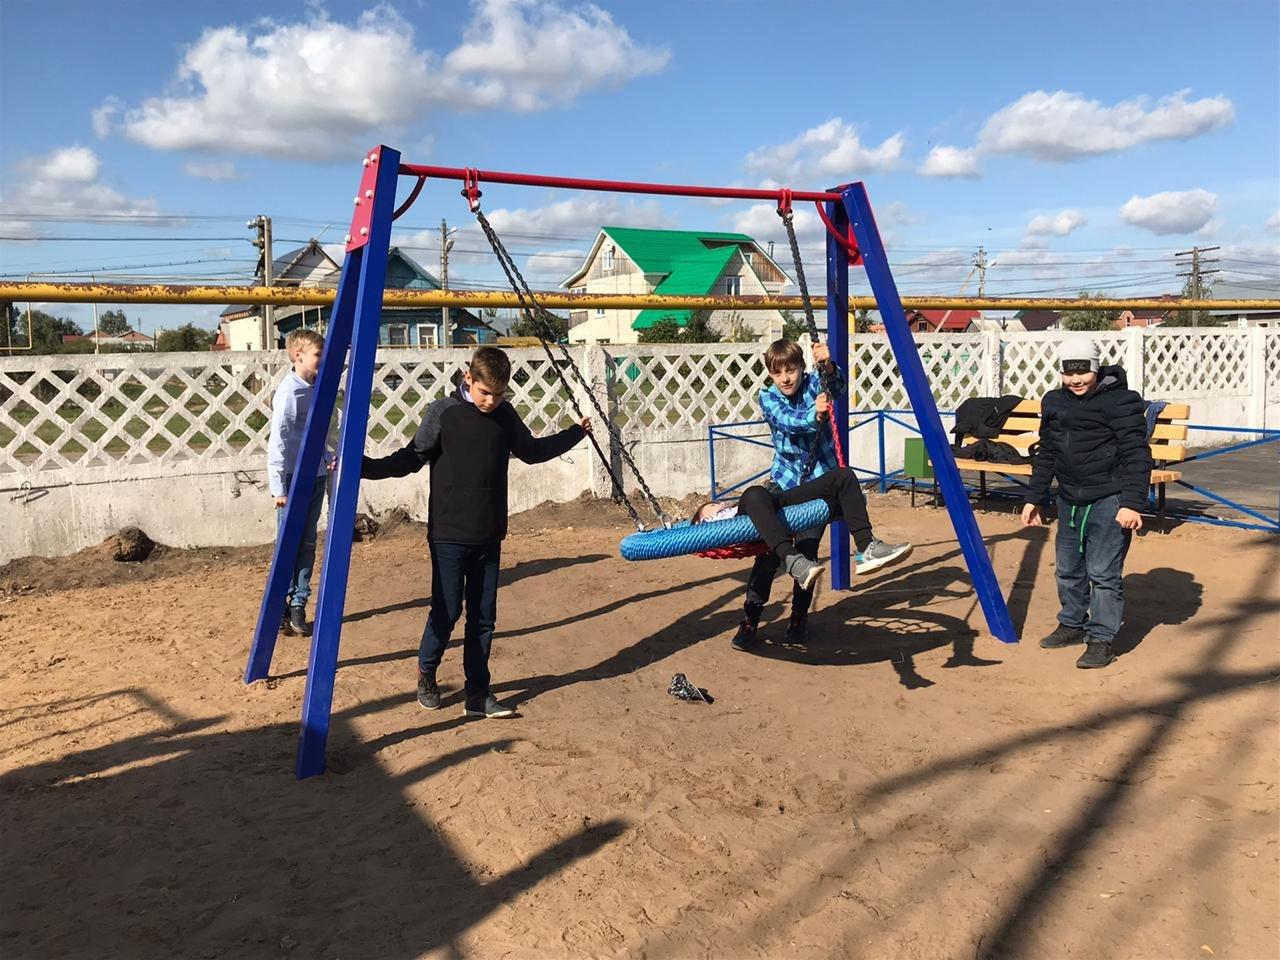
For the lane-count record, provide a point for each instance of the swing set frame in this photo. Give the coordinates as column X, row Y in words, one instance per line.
column 852, row 239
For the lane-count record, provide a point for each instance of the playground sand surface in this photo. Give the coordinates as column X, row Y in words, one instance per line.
column 905, row 787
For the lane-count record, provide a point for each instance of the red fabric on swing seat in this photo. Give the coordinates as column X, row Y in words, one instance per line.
column 739, row 551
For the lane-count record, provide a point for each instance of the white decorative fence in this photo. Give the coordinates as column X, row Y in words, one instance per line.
column 177, row 442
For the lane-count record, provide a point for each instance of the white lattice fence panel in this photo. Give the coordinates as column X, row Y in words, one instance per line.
column 1029, row 361
column 1197, row 363
column 953, row 363
column 1272, row 365
column 64, row 413
column 685, row 386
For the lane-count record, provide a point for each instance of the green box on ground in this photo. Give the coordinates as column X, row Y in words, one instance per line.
column 915, row 460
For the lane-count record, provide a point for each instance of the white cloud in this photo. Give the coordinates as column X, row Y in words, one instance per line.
column 828, row 152
column 103, row 117
column 1063, row 126
column 1171, row 212
column 528, row 54
column 1273, row 222
column 64, row 182
column 950, row 162
column 320, row 89
column 1058, row 225
column 215, row 172
column 75, row 164
column 552, row 266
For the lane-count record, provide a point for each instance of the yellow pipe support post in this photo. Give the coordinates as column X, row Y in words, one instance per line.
column 317, row 297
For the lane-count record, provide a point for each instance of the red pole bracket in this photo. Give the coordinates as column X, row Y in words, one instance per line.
column 361, row 220
column 846, row 240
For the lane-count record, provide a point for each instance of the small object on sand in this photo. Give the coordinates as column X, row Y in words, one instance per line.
column 366, row 528
column 682, row 689
column 130, row 545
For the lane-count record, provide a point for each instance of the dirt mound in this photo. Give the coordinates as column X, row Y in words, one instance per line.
column 130, row 545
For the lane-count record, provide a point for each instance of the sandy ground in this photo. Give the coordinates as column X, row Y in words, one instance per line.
column 905, row 787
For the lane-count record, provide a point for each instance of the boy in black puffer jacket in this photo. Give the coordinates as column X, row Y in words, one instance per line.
column 1093, row 439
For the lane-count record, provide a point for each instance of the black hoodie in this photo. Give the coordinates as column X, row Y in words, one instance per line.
column 469, row 452
column 1096, row 445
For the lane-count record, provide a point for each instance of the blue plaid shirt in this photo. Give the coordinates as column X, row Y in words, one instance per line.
column 793, row 425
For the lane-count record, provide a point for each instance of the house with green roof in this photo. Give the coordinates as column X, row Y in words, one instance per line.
column 690, row 262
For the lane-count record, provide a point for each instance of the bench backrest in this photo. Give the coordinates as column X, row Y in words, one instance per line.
column 1168, row 441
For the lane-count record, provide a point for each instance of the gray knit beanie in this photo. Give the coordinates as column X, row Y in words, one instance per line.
column 1078, row 355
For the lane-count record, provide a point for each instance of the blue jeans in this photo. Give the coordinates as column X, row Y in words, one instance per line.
column 299, row 591
column 462, row 572
column 1091, row 581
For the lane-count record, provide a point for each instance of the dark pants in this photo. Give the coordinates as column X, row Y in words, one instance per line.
column 462, row 572
column 843, row 494
column 299, row 591
column 1091, row 581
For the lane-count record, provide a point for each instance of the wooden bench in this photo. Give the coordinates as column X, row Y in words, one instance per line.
column 1022, row 429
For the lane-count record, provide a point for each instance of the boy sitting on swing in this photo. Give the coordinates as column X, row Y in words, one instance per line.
column 795, row 406
column 843, row 494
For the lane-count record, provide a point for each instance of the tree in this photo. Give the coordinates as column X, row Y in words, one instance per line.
column 699, row 329
column 187, row 338
column 113, row 323
column 526, row 326
column 862, row 320
column 665, row 330
column 47, row 331
column 793, row 327
column 1192, row 318
column 1089, row 319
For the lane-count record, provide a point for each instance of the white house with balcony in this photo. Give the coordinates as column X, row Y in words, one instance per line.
column 687, row 262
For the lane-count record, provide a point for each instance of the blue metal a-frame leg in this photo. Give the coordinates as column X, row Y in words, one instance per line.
column 354, row 323
column 857, row 211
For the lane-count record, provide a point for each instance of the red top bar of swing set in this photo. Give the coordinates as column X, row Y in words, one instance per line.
column 614, row 186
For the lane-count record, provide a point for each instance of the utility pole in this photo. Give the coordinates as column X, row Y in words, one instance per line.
column 1195, row 276
column 97, row 337
column 266, row 325
column 980, row 262
column 446, row 244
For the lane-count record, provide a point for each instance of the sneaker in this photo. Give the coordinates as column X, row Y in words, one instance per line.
column 1064, row 636
column 1097, row 655
column 804, row 570
column 428, row 692
column 486, row 707
column 880, row 554
column 285, row 628
column 798, row 629
column 298, row 625
column 745, row 638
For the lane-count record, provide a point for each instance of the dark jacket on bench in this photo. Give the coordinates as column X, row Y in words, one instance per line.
column 1096, row 445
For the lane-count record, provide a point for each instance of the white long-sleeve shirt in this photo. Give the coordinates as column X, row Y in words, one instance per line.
column 289, row 409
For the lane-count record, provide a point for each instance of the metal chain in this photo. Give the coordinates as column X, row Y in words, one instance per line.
column 787, row 218
column 549, row 334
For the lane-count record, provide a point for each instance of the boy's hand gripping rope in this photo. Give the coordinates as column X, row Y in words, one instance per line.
column 535, row 310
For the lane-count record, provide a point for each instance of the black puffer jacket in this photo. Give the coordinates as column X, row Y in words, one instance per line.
column 1095, row 445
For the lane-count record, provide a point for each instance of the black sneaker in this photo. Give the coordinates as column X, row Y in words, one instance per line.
column 486, row 707
column 1097, row 655
column 798, row 629
column 746, row 637
column 285, row 628
column 428, row 692
column 298, row 625
column 1064, row 636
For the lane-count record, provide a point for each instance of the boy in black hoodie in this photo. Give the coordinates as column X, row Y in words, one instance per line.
column 1093, row 439
column 468, row 439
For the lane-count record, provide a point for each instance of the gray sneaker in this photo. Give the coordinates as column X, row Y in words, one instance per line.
column 486, row 707
column 804, row 570
column 880, row 554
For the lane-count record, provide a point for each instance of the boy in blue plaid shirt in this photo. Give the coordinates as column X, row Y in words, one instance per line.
column 795, row 405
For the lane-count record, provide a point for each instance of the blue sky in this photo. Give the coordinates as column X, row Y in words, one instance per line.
column 1080, row 144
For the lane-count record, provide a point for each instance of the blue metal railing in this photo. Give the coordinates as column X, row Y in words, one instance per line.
column 886, row 479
